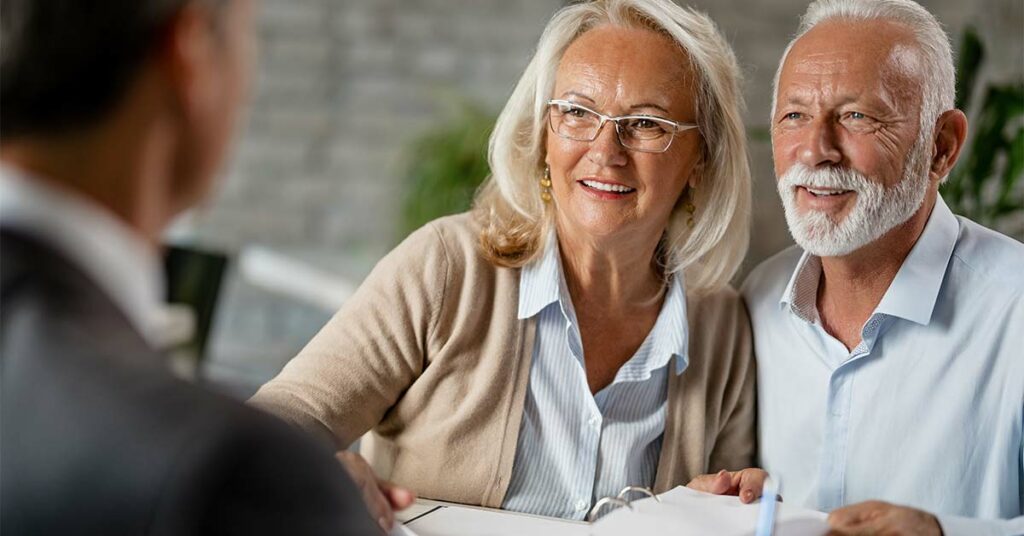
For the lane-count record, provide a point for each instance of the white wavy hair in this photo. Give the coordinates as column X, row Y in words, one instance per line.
column 515, row 219
column 938, row 79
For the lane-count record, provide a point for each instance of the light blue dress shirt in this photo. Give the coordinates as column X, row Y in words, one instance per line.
column 928, row 410
column 575, row 447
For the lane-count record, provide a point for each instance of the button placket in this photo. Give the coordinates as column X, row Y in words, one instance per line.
column 832, row 473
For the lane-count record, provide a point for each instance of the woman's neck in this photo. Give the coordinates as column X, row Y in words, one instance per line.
column 612, row 274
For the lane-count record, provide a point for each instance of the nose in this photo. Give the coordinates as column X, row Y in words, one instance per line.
column 820, row 146
column 605, row 150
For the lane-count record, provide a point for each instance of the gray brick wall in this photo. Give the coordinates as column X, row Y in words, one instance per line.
column 344, row 84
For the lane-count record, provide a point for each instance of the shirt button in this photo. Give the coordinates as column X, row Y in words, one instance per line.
column 581, row 505
column 595, row 422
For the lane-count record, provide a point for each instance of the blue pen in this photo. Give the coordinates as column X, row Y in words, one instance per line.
column 766, row 516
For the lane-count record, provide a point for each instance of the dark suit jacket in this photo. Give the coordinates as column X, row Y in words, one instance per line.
column 97, row 437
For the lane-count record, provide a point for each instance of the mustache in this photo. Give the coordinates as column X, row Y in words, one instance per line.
column 837, row 178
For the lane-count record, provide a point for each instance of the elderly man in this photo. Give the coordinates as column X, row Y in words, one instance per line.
column 891, row 341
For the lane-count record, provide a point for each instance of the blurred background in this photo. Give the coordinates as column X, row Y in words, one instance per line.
column 370, row 117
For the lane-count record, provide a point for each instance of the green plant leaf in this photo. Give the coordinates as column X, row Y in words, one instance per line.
column 445, row 165
column 1012, row 173
column 986, row 184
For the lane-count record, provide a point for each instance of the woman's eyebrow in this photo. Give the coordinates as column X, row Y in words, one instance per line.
column 649, row 105
column 578, row 95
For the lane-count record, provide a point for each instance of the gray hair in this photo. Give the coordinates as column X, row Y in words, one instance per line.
column 938, row 78
column 514, row 218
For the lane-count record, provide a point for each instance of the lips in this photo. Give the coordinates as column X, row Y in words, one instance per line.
column 824, row 192
column 823, row 199
column 605, row 186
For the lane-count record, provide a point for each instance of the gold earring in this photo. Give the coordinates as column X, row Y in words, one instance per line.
column 689, row 207
column 545, row 185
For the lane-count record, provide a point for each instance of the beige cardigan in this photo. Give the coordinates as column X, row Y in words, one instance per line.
column 428, row 356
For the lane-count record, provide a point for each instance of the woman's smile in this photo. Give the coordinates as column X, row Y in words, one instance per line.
column 605, row 189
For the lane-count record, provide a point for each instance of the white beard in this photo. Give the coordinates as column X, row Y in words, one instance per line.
column 876, row 210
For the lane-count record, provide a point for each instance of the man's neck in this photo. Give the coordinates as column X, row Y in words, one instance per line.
column 852, row 286
column 108, row 171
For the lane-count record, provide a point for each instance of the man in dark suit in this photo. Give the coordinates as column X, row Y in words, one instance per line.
column 116, row 115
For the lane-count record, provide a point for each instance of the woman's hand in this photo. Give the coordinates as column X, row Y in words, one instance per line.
column 382, row 498
column 747, row 484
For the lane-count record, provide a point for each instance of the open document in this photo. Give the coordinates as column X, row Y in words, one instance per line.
column 686, row 512
column 680, row 512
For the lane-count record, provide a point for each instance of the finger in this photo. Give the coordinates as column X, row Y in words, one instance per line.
column 859, row 530
column 751, row 484
column 718, row 483
column 893, row 519
column 376, row 503
column 379, row 507
column 400, row 498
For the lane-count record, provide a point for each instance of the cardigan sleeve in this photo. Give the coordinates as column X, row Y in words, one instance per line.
column 735, row 446
column 359, row 364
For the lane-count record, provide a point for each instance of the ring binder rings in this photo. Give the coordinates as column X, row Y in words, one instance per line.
column 620, row 500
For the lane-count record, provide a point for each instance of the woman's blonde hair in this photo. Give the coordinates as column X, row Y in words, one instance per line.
column 515, row 221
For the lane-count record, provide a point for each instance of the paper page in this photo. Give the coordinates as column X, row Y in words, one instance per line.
column 417, row 509
column 686, row 512
column 401, row 530
column 464, row 521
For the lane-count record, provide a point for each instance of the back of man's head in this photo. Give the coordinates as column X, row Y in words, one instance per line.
column 131, row 103
column 65, row 63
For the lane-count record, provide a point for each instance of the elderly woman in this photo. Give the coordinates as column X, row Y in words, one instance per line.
column 574, row 333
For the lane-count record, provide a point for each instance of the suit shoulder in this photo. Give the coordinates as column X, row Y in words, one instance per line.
column 271, row 478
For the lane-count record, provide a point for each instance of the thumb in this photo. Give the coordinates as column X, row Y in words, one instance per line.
column 399, row 497
column 718, row 483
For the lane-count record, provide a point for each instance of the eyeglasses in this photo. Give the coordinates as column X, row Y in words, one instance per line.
column 644, row 133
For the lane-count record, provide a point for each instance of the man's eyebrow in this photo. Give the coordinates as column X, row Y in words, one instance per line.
column 795, row 98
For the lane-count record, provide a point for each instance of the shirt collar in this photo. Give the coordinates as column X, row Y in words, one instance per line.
column 915, row 289
column 124, row 266
column 542, row 283
column 802, row 290
column 668, row 338
column 912, row 293
column 539, row 281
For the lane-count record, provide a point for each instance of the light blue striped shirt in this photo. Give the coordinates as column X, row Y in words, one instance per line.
column 928, row 411
column 575, row 447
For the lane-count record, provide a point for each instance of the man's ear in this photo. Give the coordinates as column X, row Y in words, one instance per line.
column 950, row 133
column 187, row 57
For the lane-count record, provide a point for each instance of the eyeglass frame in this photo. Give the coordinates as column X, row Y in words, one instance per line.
column 677, row 125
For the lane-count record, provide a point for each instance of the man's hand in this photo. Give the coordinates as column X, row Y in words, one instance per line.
column 747, row 484
column 382, row 498
column 884, row 519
